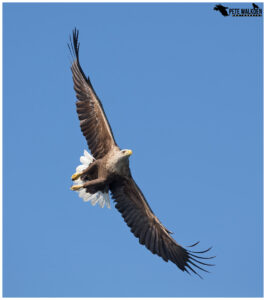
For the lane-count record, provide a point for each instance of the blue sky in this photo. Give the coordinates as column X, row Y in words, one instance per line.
column 182, row 87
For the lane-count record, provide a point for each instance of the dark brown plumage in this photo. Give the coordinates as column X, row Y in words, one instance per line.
column 93, row 122
column 110, row 171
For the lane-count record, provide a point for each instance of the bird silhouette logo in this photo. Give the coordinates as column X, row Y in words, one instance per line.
column 255, row 11
column 221, row 9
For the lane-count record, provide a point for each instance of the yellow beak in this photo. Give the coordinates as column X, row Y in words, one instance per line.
column 129, row 152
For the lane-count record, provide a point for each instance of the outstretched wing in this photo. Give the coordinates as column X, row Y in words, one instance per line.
column 93, row 122
column 138, row 215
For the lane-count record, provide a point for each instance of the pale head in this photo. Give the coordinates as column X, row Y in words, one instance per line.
column 126, row 152
column 123, row 155
column 119, row 160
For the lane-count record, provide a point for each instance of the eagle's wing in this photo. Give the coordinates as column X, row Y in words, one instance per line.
column 138, row 215
column 93, row 122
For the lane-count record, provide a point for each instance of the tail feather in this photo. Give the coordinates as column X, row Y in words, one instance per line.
column 99, row 197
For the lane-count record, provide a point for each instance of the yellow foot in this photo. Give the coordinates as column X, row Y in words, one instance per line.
column 76, row 187
column 76, row 176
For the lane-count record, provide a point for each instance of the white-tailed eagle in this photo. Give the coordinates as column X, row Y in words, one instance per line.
column 108, row 170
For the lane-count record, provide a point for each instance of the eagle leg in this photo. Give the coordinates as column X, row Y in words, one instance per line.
column 91, row 186
column 95, row 185
column 76, row 176
column 76, row 187
column 89, row 170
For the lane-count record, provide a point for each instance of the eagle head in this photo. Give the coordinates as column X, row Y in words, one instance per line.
column 126, row 152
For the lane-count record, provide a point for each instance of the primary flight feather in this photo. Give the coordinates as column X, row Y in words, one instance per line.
column 108, row 170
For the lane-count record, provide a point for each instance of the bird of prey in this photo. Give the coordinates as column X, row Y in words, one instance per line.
column 221, row 9
column 255, row 6
column 107, row 169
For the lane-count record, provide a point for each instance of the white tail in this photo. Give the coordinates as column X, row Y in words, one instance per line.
column 99, row 197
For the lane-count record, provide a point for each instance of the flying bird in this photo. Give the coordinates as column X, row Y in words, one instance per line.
column 221, row 9
column 107, row 169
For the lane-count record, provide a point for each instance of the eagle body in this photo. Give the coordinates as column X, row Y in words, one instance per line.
column 99, row 175
column 107, row 169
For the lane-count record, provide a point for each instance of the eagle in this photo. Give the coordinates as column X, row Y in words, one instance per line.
column 107, row 169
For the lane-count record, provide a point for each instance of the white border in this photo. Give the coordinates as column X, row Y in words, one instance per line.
column 1, row 106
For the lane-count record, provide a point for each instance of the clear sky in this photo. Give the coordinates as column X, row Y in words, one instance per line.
column 182, row 87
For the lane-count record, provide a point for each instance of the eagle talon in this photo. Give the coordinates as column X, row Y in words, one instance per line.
column 76, row 187
column 76, row 176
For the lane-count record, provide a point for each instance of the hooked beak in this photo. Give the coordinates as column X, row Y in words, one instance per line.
column 129, row 152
